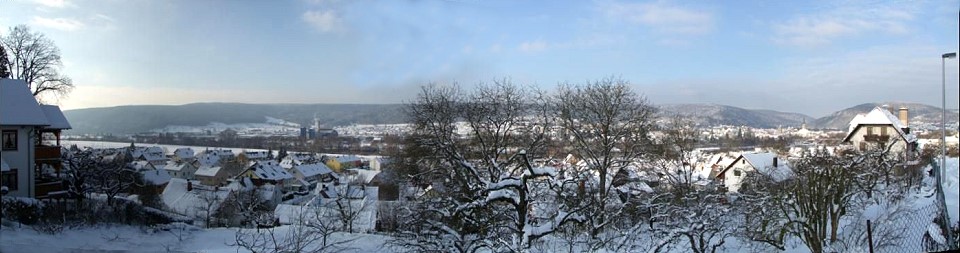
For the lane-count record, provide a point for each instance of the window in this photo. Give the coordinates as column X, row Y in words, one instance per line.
column 883, row 130
column 9, row 179
column 736, row 173
column 9, row 140
column 869, row 130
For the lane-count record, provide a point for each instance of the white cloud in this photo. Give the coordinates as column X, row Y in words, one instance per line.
column 824, row 28
column 63, row 24
column 532, row 46
column 662, row 17
column 53, row 3
column 323, row 21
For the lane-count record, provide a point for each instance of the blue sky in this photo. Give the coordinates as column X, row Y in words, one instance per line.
column 812, row 57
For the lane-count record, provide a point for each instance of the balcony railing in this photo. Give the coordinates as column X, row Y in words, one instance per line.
column 876, row 138
column 47, row 153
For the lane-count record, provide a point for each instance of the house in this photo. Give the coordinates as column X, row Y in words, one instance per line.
column 153, row 155
column 880, row 128
column 184, row 155
column 207, row 159
column 155, row 178
column 349, row 162
column 184, row 170
column 25, row 124
column 211, row 175
column 192, row 200
column 312, row 173
column 294, row 159
column 766, row 163
column 268, row 171
column 256, row 155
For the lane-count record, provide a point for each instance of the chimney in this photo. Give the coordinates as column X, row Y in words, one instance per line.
column 905, row 119
column 774, row 161
column 904, row 113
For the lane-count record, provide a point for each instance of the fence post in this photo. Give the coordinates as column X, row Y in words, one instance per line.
column 869, row 236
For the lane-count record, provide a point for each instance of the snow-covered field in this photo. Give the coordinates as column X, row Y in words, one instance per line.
column 136, row 239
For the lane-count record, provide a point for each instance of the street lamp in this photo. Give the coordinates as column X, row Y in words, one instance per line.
column 943, row 145
column 943, row 109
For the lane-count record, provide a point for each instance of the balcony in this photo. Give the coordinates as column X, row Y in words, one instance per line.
column 47, row 153
column 876, row 138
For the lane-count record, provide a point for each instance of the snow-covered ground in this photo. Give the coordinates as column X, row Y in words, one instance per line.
column 136, row 239
column 909, row 224
column 951, row 189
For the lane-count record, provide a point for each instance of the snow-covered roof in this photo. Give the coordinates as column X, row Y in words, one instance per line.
column 365, row 175
column 140, row 165
column 152, row 157
column 184, row 153
column 192, row 203
column 879, row 116
column 209, row 160
column 270, row 170
column 763, row 162
column 55, row 117
column 208, row 171
column 313, row 169
column 17, row 105
column 348, row 159
column 256, row 154
column 156, row 177
column 175, row 166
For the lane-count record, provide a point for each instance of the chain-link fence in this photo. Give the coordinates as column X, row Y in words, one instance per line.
column 913, row 226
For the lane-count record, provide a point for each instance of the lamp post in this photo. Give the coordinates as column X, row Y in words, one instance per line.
column 943, row 145
column 943, row 109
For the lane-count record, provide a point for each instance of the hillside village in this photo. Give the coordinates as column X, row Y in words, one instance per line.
column 225, row 187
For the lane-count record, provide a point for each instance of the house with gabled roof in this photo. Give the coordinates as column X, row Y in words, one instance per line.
column 879, row 128
column 25, row 124
column 180, row 169
column 268, row 171
column 766, row 163
column 184, row 155
column 212, row 175
column 310, row 173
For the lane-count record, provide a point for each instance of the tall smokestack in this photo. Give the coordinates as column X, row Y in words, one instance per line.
column 904, row 119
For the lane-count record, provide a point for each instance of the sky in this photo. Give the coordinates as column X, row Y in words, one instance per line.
column 812, row 57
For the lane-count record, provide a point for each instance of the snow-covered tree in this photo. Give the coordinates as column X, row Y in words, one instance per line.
column 607, row 126
column 484, row 191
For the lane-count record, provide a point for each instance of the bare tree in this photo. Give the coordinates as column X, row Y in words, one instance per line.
column 691, row 210
column 35, row 59
column 4, row 63
column 607, row 125
column 310, row 231
column 80, row 168
column 210, row 202
column 482, row 184
column 245, row 205
column 811, row 205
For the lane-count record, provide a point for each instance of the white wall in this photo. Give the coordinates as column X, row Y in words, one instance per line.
column 22, row 161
